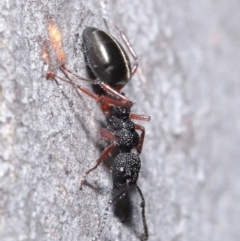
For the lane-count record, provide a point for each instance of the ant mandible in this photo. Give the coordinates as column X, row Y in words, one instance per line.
column 110, row 65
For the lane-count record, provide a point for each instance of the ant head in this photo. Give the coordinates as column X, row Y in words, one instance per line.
column 125, row 170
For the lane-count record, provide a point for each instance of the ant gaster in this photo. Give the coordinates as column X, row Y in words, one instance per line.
column 111, row 67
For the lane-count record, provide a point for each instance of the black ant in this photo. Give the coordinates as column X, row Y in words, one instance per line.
column 112, row 69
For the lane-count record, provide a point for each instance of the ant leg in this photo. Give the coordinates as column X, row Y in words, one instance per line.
column 123, row 36
column 99, row 160
column 135, row 67
column 140, row 144
column 121, row 99
column 143, row 213
column 108, row 135
column 104, row 100
column 130, row 49
column 140, row 117
column 86, row 91
column 65, row 69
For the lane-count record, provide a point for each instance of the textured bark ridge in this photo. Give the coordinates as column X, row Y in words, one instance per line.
column 49, row 134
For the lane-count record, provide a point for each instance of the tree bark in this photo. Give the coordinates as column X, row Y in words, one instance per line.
column 49, row 134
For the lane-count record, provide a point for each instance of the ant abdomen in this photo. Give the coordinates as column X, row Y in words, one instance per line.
column 106, row 57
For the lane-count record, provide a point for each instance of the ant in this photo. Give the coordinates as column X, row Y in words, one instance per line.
column 110, row 64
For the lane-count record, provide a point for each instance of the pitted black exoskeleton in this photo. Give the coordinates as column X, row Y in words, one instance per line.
column 110, row 65
column 126, row 165
column 124, row 129
column 125, row 170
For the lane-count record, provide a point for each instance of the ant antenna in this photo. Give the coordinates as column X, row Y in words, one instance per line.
column 143, row 213
column 104, row 222
column 111, row 202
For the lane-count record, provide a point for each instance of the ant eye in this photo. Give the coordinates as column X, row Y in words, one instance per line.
column 121, row 169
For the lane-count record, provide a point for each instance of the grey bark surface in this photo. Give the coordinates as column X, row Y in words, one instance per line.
column 49, row 135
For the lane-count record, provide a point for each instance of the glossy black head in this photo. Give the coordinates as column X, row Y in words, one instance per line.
column 106, row 57
column 125, row 170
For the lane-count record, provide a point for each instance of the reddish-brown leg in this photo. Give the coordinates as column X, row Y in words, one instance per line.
column 86, row 91
column 123, row 36
column 130, row 49
column 127, row 44
column 119, row 99
column 105, row 101
column 98, row 162
column 140, row 144
column 64, row 69
column 140, row 117
column 108, row 135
